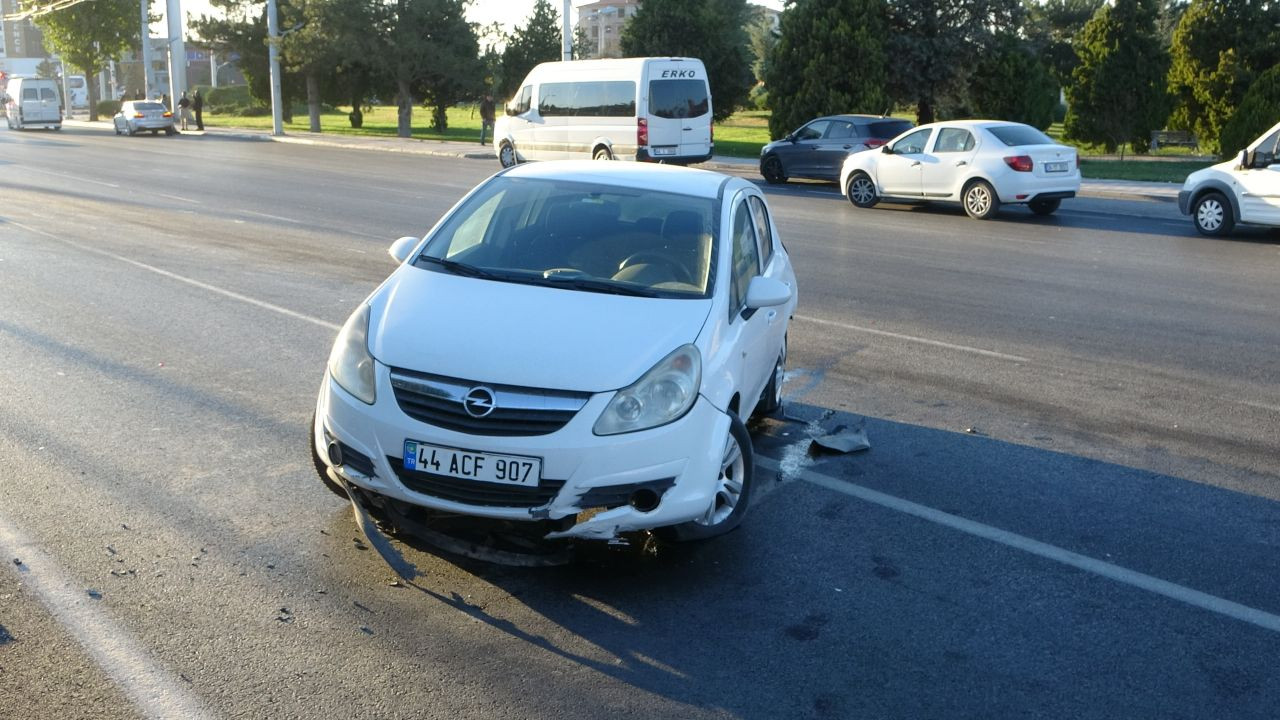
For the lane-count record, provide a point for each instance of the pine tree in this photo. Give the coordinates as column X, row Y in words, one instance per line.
column 1010, row 83
column 1117, row 95
column 711, row 30
column 1256, row 114
column 829, row 58
column 537, row 41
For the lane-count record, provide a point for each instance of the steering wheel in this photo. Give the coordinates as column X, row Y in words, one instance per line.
column 654, row 257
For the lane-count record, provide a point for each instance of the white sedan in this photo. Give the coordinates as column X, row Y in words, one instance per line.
column 981, row 164
column 573, row 349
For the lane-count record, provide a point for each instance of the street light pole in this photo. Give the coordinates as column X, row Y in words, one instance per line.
column 146, row 49
column 566, row 34
column 177, row 53
column 273, row 55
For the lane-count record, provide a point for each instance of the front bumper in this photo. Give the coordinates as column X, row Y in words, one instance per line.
column 585, row 477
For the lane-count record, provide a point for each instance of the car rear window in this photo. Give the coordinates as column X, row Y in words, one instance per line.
column 1014, row 135
column 678, row 98
column 886, row 129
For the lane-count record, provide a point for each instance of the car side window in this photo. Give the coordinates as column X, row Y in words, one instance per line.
column 764, row 231
column 913, row 143
column 953, row 140
column 746, row 256
column 813, row 130
column 840, row 130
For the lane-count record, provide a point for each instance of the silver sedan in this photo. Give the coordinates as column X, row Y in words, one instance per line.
column 138, row 115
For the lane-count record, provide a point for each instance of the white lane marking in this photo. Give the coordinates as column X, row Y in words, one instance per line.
column 69, row 177
column 914, row 339
column 156, row 692
column 178, row 197
column 272, row 217
column 181, row 278
column 1151, row 584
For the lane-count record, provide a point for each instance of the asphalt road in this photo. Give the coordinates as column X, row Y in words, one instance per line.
column 1071, row 506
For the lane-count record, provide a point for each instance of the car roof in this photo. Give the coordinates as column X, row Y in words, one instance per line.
column 668, row 178
column 856, row 116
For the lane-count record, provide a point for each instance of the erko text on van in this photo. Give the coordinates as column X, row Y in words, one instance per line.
column 646, row 109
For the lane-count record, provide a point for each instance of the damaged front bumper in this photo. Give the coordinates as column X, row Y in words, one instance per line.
column 598, row 487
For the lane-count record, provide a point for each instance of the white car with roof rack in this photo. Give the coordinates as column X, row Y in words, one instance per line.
column 574, row 348
column 981, row 164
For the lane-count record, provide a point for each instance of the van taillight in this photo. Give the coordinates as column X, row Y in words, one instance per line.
column 642, row 132
column 1019, row 163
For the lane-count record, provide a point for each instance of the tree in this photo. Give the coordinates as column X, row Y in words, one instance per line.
column 89, row 34
column 934, row 44
column 584, row 46
column 537, row 41
column 1256, row 114
column 1218, row 48
column 829, row 59
column 761, row 39
column 1010, row 83
column 242, row 29
column 1051, row 26
column 1117, row 94
column 429, row 51
column 710, row 30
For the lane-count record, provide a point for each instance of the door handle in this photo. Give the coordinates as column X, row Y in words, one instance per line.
column 915, row 163
column 773, row 315
column 688, row 128
column 846, row 147
column 961, row 163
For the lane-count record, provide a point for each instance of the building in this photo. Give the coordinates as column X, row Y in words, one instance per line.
column 21, row 43
column 602, row 23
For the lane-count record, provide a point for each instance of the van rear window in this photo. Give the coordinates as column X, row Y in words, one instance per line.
column 47, row 94
column 612, row 98
column 678, row 98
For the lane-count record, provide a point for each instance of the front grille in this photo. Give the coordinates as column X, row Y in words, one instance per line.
column 438, row 400
column 475, row 492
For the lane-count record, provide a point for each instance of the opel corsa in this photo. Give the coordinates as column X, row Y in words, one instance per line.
column 575, row 346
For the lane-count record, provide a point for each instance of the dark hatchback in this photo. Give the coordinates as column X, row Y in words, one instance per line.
column 818, row 148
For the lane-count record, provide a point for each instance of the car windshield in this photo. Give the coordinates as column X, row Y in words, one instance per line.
column 1013, row 135
column 580, row 236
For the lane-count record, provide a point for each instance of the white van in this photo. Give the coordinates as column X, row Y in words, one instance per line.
column 78, row 92
column 32, row 102
column 647, row 109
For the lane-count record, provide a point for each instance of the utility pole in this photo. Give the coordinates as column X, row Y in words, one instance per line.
column 566, row 32
column 177, row 53
column 273, row 54
column 146, row 49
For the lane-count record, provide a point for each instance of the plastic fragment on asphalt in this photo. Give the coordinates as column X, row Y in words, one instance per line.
column 94, row 594
column 844, row 440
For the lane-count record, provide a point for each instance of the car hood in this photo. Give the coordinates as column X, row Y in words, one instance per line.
column 769, row 147
column 527, row 335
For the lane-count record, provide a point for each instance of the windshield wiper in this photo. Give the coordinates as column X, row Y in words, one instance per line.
column 458, row 268
column 600, row 286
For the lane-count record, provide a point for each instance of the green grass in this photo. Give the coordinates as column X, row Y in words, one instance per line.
column 464, row 123
column 1173, row 171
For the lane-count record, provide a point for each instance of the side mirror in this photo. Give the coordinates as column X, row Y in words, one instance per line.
column 767, row 292
column 401, row 248
column 886, row 149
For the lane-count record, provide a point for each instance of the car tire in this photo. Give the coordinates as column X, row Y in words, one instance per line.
column 322, row 469
column 1212, row 215
column 170, row 131
column 602, row 153
column 737, row 469
column 772, row 170
column 155, row 132
column 861, row 190
column 1044, row 207
column 980, row 200
column 771, row 399
column 507, row 155
column 130, row 130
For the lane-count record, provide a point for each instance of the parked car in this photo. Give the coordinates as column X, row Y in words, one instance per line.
column 138, row 115
column 576, row 347
column 818, row 148
column 1245, row 189
column 981, row 164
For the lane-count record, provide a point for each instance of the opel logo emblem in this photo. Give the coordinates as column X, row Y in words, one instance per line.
column 479, row 402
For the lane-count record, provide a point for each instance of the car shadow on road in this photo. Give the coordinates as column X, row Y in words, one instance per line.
column 825, row 605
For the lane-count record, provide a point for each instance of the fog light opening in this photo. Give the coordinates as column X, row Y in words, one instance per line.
column 644, row 500
column 335, row 454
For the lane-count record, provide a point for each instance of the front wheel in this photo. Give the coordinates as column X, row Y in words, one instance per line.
column 1212, row 215
column 507, row 155
column 771, row 169
column 861, row 190
column 1044, row 207
column 732, row 490
column 980, row 200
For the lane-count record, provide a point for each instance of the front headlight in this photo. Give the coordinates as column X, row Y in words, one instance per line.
column 662, row 395
column 350, row 363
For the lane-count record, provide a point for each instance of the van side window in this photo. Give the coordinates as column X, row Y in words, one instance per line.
column 614, row 98
column 746, row 256
column 678, row 98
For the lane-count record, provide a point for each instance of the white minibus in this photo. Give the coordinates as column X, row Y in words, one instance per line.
column 32, row 102
column 647, row 109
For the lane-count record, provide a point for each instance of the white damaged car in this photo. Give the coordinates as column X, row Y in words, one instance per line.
column 576, row 346
column 1243, row 190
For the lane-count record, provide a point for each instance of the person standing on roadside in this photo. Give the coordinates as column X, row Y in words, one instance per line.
column 486, row 116
column 184, row 111
column 197, row 104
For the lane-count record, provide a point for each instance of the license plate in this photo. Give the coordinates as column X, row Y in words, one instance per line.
column 1055, row 167
column 484, row 467
column 670, row 150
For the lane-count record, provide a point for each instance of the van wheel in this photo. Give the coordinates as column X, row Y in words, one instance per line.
column 1212, row 215
column 507, row 155
column 732, row 491
column 602, row 153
